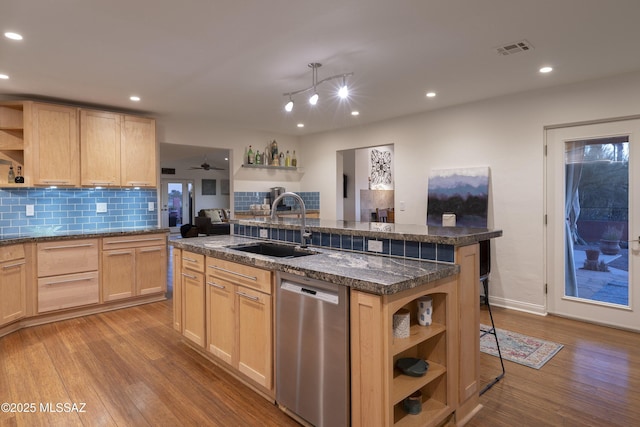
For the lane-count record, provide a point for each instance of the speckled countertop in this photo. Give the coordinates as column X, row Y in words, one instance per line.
column 49, row 234
column 375, row 274
column 457, row 236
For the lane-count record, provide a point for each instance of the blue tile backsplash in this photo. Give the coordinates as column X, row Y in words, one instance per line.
column 396, row 248
column 75, row 209
column 244, row 199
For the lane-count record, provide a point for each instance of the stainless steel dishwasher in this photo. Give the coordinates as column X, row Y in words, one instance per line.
column 312, row 350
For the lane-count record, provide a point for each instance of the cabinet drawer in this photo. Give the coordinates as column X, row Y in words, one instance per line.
column 12, row 252
column 71, row 290
column 125, row 242
column 241, row 274
column 193, row 261
column 67, row 256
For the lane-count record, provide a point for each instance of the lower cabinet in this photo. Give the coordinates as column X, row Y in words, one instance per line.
column 380, row 390
column 193, row 297
column 67, row 274
column 133, row 265
column 12, row 283
column 239, row 315
column 177, row 288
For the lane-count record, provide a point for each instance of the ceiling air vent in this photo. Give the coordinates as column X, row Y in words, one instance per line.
column 512, row 48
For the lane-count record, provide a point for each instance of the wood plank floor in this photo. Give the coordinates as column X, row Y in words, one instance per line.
column 131, row 369
column 593, row 381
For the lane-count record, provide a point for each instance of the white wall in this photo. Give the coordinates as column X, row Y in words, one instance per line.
column 506, row 134
column 203, row 132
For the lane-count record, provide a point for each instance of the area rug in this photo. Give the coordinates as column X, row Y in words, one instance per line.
column 518, row 348
column 615, row 292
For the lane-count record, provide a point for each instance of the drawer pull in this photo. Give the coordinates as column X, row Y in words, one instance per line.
column 117, row 253
column 86, row 245
column 51, row 181
column 189, row 276
column 189, row 259
column 83, row 279
column 215, row 285
column 18, row 264
column 117, row 242
column 251, row 297
column 102, row 182
column 151, row 250
column 254, row 278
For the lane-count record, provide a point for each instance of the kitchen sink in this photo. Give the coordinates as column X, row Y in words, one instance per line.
column 273, row 249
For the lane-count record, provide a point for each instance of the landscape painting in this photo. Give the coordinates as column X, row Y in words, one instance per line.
column 463, row 192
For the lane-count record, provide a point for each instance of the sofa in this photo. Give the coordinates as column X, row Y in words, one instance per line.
column 213, row 221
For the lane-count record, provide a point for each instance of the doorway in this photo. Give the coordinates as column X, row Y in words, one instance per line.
column 592, row 214
column 177, row 203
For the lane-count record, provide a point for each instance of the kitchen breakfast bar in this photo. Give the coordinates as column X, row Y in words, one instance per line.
column 387, row 269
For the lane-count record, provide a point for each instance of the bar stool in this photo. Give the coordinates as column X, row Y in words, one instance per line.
column 485, row 269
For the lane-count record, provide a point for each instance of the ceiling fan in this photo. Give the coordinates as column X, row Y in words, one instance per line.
column 206, row 166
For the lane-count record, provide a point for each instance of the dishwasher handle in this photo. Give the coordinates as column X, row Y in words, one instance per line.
column 309, row 292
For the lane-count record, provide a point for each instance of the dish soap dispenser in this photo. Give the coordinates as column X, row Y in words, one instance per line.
column 19, row 177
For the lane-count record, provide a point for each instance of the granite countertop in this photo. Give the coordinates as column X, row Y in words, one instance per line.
column 457, row 236
column 45, row 234
column 369, row 273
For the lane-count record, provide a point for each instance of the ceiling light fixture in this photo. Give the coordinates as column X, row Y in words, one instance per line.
column 343, row 92
column 355, row 113
column 12, row 36
column 431, row 94
column 300, row 125
column 546, row 69
column 134, row 98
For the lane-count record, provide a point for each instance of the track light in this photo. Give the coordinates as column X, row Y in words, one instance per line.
column 288, row 106
column 343, row 92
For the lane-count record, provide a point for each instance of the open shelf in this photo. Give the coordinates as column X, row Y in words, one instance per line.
column 417, row 334
column 291, row 168
column 404, row 385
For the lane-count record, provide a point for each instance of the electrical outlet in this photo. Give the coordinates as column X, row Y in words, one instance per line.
column 374, row 246
column 264, row 233
column 151, row 207
column 30, row 210
column 101, row 207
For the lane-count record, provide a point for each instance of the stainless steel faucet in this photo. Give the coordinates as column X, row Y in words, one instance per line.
column 304, row 234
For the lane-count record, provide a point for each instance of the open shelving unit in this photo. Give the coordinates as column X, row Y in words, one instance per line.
column 12, row 140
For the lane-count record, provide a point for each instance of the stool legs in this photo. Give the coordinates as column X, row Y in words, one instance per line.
column 485, row 284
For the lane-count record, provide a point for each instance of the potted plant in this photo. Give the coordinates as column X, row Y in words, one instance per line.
column 610, row 241
column 591, row 263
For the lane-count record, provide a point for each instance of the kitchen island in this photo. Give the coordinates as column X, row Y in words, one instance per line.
column 445, row 267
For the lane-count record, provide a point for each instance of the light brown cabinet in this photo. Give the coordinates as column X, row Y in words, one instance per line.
column 67, row 274
column 100, row 136
column 240, row 318
column 177, row 288
column 193, row 297
column 12, row 141
column 133, row 265
column 377, row 399
column 54, row 145
column 117, row 150
column 12, row 284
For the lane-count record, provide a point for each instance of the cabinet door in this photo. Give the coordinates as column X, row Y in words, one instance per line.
column 193, row 305
column 221, row 319
column 118, row 274
column 100, row 134
column 255, row 349
column 12, row 288
column 55, row 145
column 139, row 152
column 151, row 270
column 177, row 289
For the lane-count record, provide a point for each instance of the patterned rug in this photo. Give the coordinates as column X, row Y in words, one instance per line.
column 518, row 348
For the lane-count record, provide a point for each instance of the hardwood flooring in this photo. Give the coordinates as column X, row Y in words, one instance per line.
column 593, row 381
column 130, row 368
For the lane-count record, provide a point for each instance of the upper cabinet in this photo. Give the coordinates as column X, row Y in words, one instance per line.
column 117, row 150
column 69, row 146
column 139, row 162
column 55, row 151
column 100, row 137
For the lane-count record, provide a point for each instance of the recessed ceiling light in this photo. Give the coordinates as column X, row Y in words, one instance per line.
column 12, row 36
column 546, row 69
column 134, row 98
column 355, row 113
column 431, row 94
column 300, row 125
column 4, row 76
column 226, row 159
